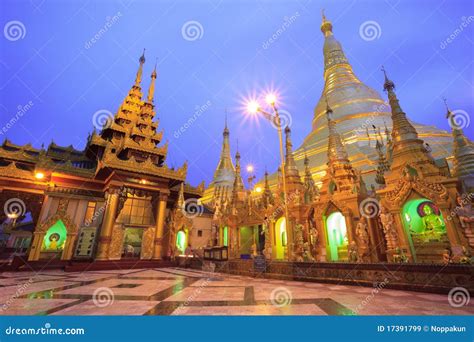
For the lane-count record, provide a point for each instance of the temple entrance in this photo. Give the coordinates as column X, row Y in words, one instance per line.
column 337, row 236
column 246, row 240
column 54, row 241
column 132, row 242
column 426, row 229
column 280, row 238
column 181, row 242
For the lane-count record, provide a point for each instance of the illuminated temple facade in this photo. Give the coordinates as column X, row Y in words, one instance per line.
column 115, row 199
column 367, row 185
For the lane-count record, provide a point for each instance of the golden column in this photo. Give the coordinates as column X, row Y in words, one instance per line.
column 108, row 224
column 160, row 224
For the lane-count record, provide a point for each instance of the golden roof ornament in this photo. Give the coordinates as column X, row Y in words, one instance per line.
column 138, row 78
column 151, row 90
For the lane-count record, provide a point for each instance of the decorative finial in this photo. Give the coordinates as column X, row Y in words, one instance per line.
column 142, row 58
column 388, row 84
column 448, row 111
column 153, row 74
column 326, row 26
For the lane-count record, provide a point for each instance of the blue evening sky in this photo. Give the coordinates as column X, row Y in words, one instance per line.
column 224, row 58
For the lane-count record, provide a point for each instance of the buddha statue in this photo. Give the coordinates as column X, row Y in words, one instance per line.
column 431, row 221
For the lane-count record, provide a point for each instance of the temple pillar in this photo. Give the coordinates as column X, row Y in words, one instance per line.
column 69, row 246
column 107, row 225
column 36, row 244
column 35, row 249
column 451, row 230
column 403, row 239
column 159, row 229
column 271, row 236
column 290, row 240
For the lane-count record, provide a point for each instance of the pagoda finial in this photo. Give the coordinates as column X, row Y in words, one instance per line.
column 138, row 79
column 388, row 84
column 226, row 129
column 449, row 114
column 326, row 26
column 151, row 90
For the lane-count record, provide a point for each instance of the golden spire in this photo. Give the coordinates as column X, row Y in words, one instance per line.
column 290, row 165
column 225, row 161
column 402, row 129
column 238, row 187
column 181, row 202
column 336, row 150
column 382, row 165
column 138, row 79
column 463, row 162
column 151, row 90
column 326, row 26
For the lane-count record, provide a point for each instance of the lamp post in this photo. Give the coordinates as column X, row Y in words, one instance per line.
column 253, row 107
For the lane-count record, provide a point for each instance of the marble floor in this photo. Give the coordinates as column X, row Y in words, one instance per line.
column 176, row 291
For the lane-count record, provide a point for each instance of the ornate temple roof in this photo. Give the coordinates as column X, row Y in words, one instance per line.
column 129, row 141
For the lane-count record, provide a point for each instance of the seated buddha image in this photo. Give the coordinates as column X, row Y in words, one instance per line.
column 53, row 244
column 431, row 218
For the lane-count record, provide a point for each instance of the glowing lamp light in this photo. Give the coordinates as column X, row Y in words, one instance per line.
column 253, row 107
column 143, row 181
column 249, row 168
column 270, row 99
column 12, row 215
column 39, row 175
column 258, row 189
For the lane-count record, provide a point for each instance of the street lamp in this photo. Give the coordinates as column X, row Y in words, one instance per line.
column 253, row 107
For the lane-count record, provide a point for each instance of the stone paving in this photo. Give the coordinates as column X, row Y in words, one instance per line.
column 176, row 291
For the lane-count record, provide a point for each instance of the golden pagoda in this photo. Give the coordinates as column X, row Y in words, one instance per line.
column 219, row 191
column 356, row 109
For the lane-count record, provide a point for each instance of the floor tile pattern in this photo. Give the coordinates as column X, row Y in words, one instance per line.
column 177, row 291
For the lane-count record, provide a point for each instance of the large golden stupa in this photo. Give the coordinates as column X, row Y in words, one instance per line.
column 362, row 118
